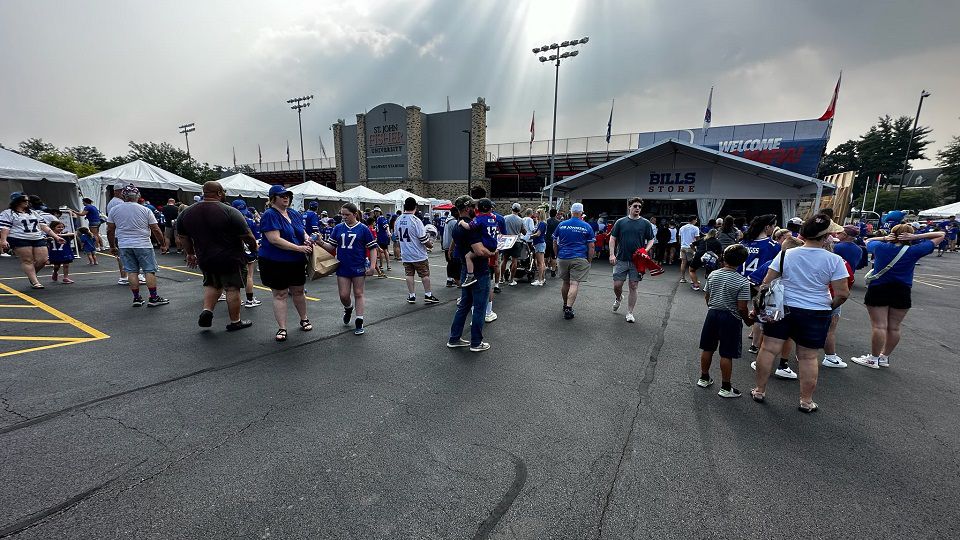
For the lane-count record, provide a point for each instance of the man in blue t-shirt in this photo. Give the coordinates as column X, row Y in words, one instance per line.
column 476, row 297
column 311, row 220
column 847, row 247
column 574, row 244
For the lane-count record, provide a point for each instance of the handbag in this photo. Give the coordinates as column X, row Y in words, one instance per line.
column 871, row 275
column 322, row 263
column 769, row 305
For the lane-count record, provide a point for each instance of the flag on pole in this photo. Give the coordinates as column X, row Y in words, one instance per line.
column 288, row 151
column 260, row 154
column 322, row 149
column 533, row 120
column 610, row 121
column 832, row 108
column 708, row 116
column 234, row 157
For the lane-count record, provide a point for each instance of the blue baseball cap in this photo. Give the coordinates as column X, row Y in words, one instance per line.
column 16, row 195
column 314, row 205
column 279, row 190
column 238, row 204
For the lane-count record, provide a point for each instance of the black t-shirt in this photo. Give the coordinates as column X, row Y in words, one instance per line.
column 552, row 224
column 217, row 231
column 463, row 239
column 169, row 214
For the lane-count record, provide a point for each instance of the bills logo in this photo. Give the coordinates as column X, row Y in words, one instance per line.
column 672, row 182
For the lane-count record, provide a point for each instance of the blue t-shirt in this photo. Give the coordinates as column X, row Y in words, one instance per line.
column 254, row 228
column 291, row 231
column 352, row 245
column 573, row 237
column 902, row 272
column 501, row 223
column 87, row 243
column 952, row 230
column 850, row 252
column 382, row 236
column 463, row 239
column 93, row 213
column 60, row 253
column 311, row 221
column 758, row 252
column 542, row 237
column 487, row 226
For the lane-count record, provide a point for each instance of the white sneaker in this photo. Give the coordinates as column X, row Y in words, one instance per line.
column 630, row 318
column 833, row 361
column 535, row 283
column 785, row 373
column 866, row 360
column 490, row 317
column 142, row 278
column 513, row 283
column 616, row 303
column 5, row 255
column 753, row 365
column 223, row 297
column 683, row 280
column 884, row 361
column 252, row 303
column 123, row 281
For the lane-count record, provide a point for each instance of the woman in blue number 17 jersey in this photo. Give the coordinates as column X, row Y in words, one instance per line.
column 350, row 241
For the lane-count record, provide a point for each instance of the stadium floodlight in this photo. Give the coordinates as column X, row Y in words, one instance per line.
column 186, row 129
column 298, row 104
column 556, row 86
column 906, row 158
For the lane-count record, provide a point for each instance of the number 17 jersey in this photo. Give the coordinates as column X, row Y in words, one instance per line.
column 352, row 245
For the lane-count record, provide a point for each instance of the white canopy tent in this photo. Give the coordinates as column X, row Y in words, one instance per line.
column 241, row 185
column 400, row 195
column 139, row 173
column 363, row 194
column 945, row 211
column 19, row 173
column 311, row 190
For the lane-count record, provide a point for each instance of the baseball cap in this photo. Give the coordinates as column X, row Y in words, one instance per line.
column 238, row 204
column 515, row 206
column 278, row 190
column 377, row 209
column 577, row 207
column 119, row 186
column 818, row 226
column 463, row 201
column 16, row 195
column 313, row 205
column 323, row 213
column 196, row 198
column 129, row 190
column 851, row 230
column 484, row 205
column 796, row 221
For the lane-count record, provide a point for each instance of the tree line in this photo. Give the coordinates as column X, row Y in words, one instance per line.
column 86, row 160
column 880, row 151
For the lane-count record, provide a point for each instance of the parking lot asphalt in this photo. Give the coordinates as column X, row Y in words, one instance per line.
column 122, row 422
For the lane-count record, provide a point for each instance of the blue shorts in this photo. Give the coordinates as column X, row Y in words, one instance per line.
column 807, row 327
column 350, row 271
column 16, row 243
column 540, row 248
column 138, row 259
column 384, row 244
column 95, row 223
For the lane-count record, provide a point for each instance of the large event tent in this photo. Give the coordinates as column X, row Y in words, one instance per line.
column 948, row 210
column 400, row 195
column 241, row 185
column 311, row 190
column 19, row 173
column 363, row 194
column 139, row 173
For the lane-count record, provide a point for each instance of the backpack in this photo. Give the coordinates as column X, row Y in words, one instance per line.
column 769, row 303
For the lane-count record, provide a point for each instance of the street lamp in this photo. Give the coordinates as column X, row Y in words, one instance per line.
column 185, row 129
column 469, row 155
column 906, row 158
column 299, row 104
column 556, row 57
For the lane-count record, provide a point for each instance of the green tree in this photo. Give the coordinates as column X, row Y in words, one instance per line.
column 910, row 199
column 87, row 154
column 67, row 162
column 169, row 158
column 949, row 160
column 841, row 159
column 32, row 148
column 882, row 148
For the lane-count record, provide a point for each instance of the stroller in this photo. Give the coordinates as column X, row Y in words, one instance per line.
column 526, row 263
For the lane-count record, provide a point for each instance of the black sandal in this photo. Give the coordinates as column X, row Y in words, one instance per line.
column 281, row 334
column 305, row 325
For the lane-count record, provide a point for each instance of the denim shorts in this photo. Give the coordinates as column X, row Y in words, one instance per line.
column 540, row 248
column 807, row 327
column 138, row 259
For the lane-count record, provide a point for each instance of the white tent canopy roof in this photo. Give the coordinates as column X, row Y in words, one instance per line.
column 948, row 210
column 14, row 166
column 241, row 185
column 142, row 174
column 399, row 195
column 315, row 190
column 365, row 194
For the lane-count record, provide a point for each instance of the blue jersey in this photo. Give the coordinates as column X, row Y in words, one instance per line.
column 758, row 252
column 542, row 237
column 254, row 228
column 501, row 223
column 87, row 243
column 573, row 237
column 311, row 221
column 487, row 226
column 352, row 245
column 756, row 277
column 60, row 253
column 382, row 224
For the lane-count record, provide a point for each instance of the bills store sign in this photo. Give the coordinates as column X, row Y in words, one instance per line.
column 672, row 182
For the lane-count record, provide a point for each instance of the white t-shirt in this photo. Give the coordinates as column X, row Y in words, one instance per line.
column 112, row 203
column 412, row 235
column 529, row 226
column 808, row 273
column 688, row 233
column 655, row 241
column 673, row 234
column 23, row 225
column 133, row 225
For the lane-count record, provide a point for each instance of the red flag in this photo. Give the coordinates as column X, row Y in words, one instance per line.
column 832, row 108
column 532, row 129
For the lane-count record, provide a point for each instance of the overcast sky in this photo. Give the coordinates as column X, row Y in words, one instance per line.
column 105, row 72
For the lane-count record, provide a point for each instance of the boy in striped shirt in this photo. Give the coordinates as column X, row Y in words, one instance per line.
column 727, row 296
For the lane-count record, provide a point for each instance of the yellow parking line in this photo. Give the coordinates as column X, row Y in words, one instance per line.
column 72, row 274
column 52, row 346
column 64, row 318
column 6, row 294
column 15, row 306
column 41, row 338
column 51, row 321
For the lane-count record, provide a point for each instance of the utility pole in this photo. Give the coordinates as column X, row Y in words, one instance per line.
column 299, row 104
column 906, row 158
column 186, row 129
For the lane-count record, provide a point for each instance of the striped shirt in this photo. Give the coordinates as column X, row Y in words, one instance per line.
column 725, row 288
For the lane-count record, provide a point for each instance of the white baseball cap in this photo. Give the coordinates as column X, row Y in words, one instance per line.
column 577, row 207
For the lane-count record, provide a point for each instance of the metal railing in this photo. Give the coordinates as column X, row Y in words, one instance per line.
column 294, row 165
column 577, row 145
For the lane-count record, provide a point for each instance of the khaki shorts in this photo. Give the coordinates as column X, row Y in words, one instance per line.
column 573, row 269
column 421, row 268
column 687, row 253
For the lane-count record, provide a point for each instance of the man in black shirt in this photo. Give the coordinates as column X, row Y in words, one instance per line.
column 551, row 257
column 170, row 212
column 477, row 295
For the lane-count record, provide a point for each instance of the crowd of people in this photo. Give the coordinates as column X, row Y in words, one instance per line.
column 806, row 267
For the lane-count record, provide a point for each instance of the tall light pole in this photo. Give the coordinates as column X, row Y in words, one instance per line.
column 906, row 158
column 186, row 129
column 299, row 104
column 556, row 57
column 469, row 156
